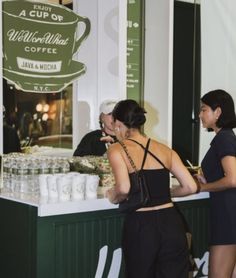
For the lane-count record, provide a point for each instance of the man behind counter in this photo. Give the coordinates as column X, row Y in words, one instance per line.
column 97, row 141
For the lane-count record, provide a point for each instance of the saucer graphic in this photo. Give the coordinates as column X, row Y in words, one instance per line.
column 39, row 83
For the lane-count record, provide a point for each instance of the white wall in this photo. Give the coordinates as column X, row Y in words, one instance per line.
column 98, row 84
column 218, row 53
column 158, row 69
column 104, row 54
column 218, row 61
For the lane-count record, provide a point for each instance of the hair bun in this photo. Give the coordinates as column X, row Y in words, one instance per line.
column 139, row 118
column 130, row 113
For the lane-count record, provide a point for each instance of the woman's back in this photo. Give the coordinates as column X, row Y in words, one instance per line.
column 136, row 152
column 155, row 172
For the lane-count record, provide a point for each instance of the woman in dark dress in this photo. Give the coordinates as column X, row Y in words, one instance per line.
column 219, row 178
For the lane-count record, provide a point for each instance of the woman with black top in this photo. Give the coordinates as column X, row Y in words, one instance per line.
column 154, row 241
column 219, row 178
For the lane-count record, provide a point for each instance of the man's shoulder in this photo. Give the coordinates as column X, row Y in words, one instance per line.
column 90, row 144
column 94, row 133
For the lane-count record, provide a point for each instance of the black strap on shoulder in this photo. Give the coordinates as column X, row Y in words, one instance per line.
column 147, row 151
column 129, row 157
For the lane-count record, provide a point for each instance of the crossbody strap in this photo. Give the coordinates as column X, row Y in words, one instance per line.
column 153, row 155
column 129, row 157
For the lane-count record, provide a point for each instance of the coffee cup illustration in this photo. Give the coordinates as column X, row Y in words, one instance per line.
column 39, row 42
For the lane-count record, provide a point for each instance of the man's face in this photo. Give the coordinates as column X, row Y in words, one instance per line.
column 107, row 121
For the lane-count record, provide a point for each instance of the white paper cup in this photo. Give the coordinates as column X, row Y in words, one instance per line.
column 78, row 186
column 52, row 186
column 43, row 185
column 72, row 174
column 92, row 182
column 64, row 188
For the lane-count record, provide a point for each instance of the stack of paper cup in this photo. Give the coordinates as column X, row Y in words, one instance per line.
column 64, row 187
column 92, row 182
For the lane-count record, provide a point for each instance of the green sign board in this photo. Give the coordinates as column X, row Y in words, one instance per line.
column 135, row 35
column 39, row 41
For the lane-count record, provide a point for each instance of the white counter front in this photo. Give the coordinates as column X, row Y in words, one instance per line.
column 48, row 207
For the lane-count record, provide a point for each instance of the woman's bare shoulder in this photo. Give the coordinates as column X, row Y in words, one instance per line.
column 113, row 148
column 160, row 146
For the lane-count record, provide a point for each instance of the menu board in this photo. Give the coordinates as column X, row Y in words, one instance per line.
column 135, row 37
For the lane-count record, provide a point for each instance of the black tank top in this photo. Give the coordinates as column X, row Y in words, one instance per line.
column 158, row 180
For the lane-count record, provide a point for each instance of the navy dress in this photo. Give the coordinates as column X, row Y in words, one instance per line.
column 222, row 203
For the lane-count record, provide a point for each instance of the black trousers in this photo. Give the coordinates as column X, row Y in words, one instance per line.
column 155, row 245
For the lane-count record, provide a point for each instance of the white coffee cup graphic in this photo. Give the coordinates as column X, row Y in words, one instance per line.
column 39, row 42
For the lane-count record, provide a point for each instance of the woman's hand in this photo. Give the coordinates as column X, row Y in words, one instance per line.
column 108, row 194
column 200, row 181
column 113, row 196
column 187, row 184
column 200, row 178
column 107, row 139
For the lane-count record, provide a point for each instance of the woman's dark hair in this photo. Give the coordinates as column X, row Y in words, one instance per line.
column 220, row 98
column 130, row 113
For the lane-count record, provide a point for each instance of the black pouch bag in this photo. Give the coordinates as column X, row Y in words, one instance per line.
column 139, row 193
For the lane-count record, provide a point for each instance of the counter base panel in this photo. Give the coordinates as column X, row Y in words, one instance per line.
column 18, row 234
column 73, row 245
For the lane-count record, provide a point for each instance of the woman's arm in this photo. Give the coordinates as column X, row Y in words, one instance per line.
column 229, row 179
column 187, row 183
column 119, row 169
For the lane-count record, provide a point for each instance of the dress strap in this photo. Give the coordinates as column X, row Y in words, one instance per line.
column 153, row 155
column 145, row 153
column 130, row 158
